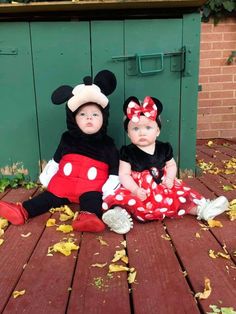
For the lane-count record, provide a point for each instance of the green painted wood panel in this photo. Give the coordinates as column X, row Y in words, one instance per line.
column 61, row 56
column 107, row 40
column 18, row 127
column 146, row 37
column 189, row 92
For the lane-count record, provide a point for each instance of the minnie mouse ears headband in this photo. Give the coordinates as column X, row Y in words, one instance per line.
column 151, row 108
column 94, row 91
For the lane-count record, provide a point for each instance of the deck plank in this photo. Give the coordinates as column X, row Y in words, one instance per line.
column 193, row 252
column 161, row 285
column 46, row 279
column 112, row 294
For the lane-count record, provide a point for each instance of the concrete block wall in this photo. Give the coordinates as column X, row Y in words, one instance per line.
column 217, row 100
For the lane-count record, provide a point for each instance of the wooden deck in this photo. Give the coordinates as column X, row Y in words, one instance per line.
column 171, row 259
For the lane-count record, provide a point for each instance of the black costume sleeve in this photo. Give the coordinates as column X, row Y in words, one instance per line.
column 169, row 151
column 58, row 154
column 113, row 156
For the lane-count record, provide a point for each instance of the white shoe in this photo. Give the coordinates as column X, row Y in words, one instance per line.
column 118, row 220
column 210, row 209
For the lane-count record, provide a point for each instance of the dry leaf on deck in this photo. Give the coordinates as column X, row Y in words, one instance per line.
column 118, row 255
column 214, row 223
column 123, row 243
column 132, row 276
column 207, row 290
column 102, row 242
column 115, row 268
column 99, row 265
column 63, row 247
column 65, row 228
column 51, row 222
column 3, row 223
column 1, row 241
column 26, row 235
column 166, row 237
column 17, row 294
column 197, row 235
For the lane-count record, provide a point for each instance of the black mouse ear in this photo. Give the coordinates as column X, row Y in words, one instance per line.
column 127, row 101
column 106, row 81
column 158, row 104
column 62, row 94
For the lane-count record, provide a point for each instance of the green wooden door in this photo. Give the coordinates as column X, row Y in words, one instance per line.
column 142, row 37
column 18, row 127
column 37, row 57
column 61, row 56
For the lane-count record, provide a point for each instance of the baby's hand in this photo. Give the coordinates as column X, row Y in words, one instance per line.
column 168, row 182
column 141, row 193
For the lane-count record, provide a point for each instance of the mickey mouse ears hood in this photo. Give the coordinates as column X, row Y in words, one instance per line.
column 91, row 91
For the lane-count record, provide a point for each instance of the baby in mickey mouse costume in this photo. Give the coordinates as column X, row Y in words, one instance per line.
column 85, row 164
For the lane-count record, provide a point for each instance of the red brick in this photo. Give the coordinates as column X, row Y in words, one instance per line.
column 204, row 110
column 203, row 126
column 227, row 133
column 207, row 134
column 211, row 37
column 212, row 87
column 229, row 86
column 218, row 62
column 211, row 54
column 209, row 70
column 229, row 69
column 222, row 94
column 203, row 95
column 203, row 79
column 221, row 125
column 229, row 36
column 206, row 46
column 208, row 118
column 231, row 117
column 220, row 78
column 209, row 103
column 229, row 45
column 206, row 27
column 228, row 102
column 224, row 110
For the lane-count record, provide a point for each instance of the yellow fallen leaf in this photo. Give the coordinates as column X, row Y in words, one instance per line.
column 1, row 241
column 214, row 223
column 166, row 237
column 50, row 222
column 17, row 294
column 65, row 228
column 197, row 235
column 123, row 243
column 26, row 235
column 212, row 254
column 64, row 217
column 3, row 223
column 228, row 187
column 223, row 255
column 102, row 242
column 132, row 276
column 1, row 232
column 207, row 290
column 63, row 247
column 210, row 143
column 118, row 255
column 115, row 268
column 125, row 259
column 99, row 265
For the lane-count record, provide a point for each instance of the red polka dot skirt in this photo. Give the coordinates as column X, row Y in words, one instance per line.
column 161, row 201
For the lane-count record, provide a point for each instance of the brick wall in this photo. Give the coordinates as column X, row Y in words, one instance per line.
column 217, row 100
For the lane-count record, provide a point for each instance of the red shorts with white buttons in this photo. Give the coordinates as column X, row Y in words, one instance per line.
column 78, row 174
column 161, row 202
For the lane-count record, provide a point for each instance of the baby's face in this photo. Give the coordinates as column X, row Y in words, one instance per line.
column 144, row 132
column 89, row 119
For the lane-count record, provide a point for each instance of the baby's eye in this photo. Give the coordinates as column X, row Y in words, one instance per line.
column 82, row 114
column 95, row 114
column 148, row 127
column 135, row 128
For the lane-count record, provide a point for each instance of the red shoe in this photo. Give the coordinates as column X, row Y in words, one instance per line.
column 86, row 221
column 13, row 212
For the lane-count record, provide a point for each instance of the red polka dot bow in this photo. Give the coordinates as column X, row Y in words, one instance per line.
column 148, row 109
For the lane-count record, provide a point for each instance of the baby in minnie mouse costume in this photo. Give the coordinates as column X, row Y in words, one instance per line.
column 85, row 164
column 147, row 171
